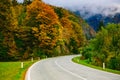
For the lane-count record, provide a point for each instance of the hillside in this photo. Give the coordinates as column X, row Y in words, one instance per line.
column 36, row 29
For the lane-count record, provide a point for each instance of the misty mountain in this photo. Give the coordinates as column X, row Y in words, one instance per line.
column 96, row 20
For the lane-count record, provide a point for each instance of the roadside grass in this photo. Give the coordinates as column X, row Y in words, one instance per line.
column 13, row 70
column 85, row 62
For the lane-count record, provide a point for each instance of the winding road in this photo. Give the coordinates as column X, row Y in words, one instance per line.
column 62, row 68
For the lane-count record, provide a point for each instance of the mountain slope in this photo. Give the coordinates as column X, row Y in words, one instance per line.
column 95, row 20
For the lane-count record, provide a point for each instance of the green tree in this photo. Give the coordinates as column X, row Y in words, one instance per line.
column 106, row 46
column 101, row 24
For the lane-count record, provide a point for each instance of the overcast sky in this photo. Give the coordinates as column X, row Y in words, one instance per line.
column 105, row 7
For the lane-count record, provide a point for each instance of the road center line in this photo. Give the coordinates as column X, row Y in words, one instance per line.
column 70, row 71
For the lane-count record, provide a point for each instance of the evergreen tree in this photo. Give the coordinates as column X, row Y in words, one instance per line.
column 101, row 24
column 14, row 2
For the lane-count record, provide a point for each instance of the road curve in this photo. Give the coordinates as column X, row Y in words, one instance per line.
column 62, row 68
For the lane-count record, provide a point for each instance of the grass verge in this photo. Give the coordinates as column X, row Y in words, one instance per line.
column 84, row 62
column 13, row 70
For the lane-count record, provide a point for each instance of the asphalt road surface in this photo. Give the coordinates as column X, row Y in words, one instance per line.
column 62, row 68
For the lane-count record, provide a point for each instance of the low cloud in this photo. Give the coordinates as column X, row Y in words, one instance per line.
column 104, row 7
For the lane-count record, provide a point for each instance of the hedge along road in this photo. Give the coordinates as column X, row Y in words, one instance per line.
column 62, row 68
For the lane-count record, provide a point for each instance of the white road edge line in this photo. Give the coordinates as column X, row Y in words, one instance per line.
column 70, row 71
column 27, row 76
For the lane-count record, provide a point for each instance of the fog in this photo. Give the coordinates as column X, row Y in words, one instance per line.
column 91, row 7
column 20, row 1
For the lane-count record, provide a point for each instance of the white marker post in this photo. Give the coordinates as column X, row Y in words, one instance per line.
column 32, row 59
column 22, row 65
column 103, row 65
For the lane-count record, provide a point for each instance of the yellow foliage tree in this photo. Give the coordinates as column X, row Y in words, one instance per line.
column 7, row 27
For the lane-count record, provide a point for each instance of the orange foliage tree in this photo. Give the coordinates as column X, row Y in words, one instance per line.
column 45, row 25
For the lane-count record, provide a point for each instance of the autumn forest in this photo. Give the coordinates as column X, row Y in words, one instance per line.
column 36, row 29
